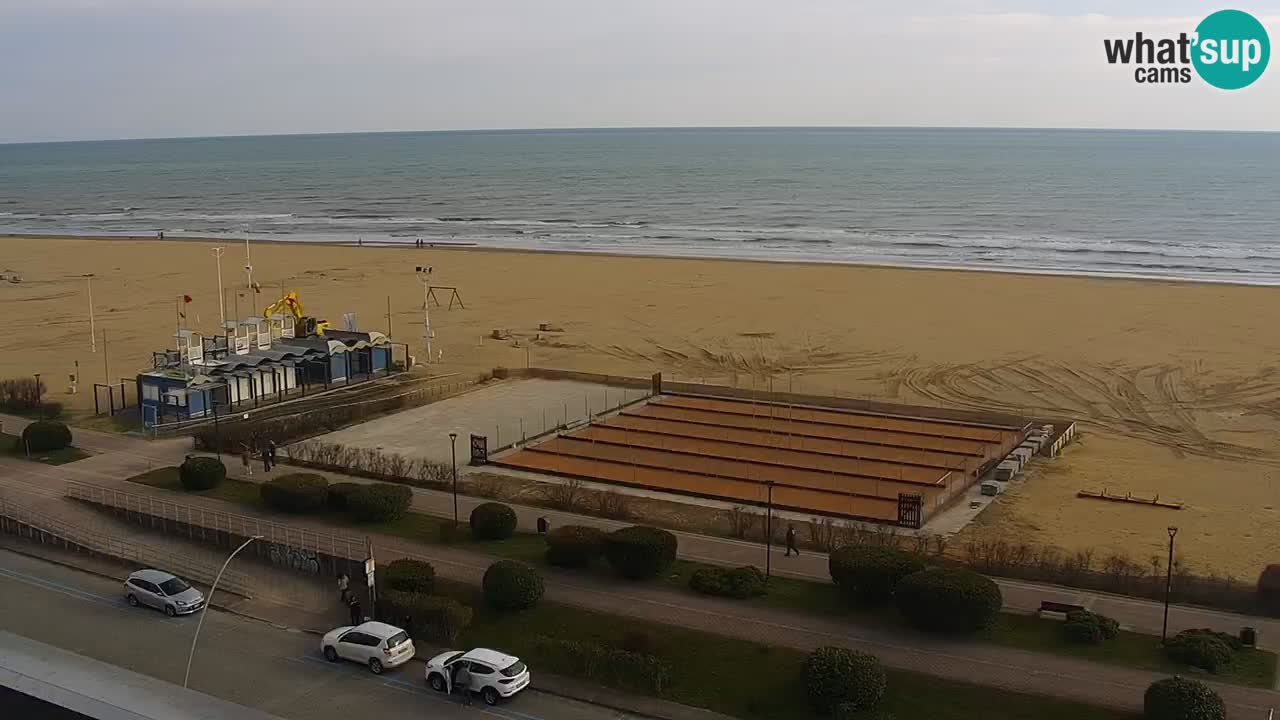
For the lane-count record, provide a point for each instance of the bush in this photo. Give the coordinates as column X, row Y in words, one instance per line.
column 640, row 552
column 574, row 545
column 869, row 574
column 46, row 435
column 411, row 576
column 1178, row 698
column 948, row 600
column 740, row 582
column 295, row 493
column 201, row 473
column 379, row 502
column 339, row 492
column 25, row 396
column 1269, row 590
column 493, row 521
column 427, row 617
column 511, row 585
column 1089, row 628
column 602, row 664
column 838, row 677
column 1204, row 649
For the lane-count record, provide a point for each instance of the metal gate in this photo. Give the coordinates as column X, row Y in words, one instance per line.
column 909, row 510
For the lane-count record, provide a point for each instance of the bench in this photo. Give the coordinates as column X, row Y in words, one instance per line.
column 1058, row 608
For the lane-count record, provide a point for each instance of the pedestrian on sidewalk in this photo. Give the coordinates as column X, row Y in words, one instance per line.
column 462, row 682
column 357, row 616
column 271, row 450
column 791, row 541
column 344, row 595
column 246, row 459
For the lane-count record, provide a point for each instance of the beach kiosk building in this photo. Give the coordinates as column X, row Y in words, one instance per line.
column 255, row 361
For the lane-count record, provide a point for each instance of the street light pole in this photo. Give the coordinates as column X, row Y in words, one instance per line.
column 1168, row 586
column 768, row 532
column 222, row 301
column 93, row 336
column 453, row 452
column 208, row 600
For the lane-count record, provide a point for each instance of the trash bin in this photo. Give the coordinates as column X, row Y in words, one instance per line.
column 1249, row 637
column 542, row 525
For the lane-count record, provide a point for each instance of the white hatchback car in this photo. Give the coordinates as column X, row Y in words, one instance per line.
column 162, row 591
column 375, row 644
column 494, row 675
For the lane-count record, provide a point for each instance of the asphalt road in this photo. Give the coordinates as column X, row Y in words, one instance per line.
column 240, row 660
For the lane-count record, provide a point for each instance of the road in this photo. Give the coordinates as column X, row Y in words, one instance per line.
column 243, row 661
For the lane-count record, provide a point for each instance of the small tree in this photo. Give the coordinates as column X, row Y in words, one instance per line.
column 948, row 600
column 379, row 502
column 412, row 576
column 1205, row 649
column 870, row 573
column 493, row 521
column 1089, row 628
column 1178, row 698
column 46, row 436
column 574, row 545
column 511, row 585
column 640, row 552
column 295, row 493
column 201, row 473
column 836, row 677
column 741, row 582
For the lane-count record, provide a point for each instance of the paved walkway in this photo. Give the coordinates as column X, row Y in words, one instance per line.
column 966, row 661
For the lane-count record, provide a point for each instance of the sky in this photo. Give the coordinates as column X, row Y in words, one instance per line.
column 104, row 69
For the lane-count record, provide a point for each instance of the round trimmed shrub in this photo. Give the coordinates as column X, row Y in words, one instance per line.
column 511, row 585
column 295, row 493
column 869, row 574
column 1203, row 649
column 201, row 473
column 493, row 521
column 640, row 552
column 574, row 545
column 1089, row 628
column 46, row 435
column 740, row 582
column 950, row 600
column 836, row 677
column 338, row 494
column 1179, row 698
column 1269, row 590
column 379, row 502
column 411, row 576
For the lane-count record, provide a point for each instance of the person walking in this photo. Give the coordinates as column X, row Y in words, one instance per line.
column 271, row 450
column 266, row 459
column 246, row 459
column 462, row 682
column 357, row 616
column 791, row 541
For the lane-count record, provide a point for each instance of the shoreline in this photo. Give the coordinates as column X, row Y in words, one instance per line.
column 459, row 246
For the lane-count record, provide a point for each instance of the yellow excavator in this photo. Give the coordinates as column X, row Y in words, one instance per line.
column 291, row 305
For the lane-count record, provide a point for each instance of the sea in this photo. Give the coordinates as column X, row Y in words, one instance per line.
column 1172, row 205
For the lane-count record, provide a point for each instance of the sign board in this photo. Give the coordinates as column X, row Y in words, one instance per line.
column 368, row 570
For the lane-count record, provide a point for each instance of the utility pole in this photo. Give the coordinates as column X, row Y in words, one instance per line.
column 248, row 271
column 93, row 343
column 222, row 302
column 424, row 276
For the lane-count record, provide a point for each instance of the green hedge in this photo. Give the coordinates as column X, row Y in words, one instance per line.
column 870, row 574
column 1178, row 698
column 201, row 473
column 640, row 552
column 511, row 585
column 427, row 617
column 951, row 600
column 1089, row 628
column 1203, row 648
column 493, row 521
column 739, row 582
column 339, row 492
column 602, row 663
column 574, row 545
column 411, row 576
column 295, row 493
column 836, row 677
column 46, row 436
column 379, row 502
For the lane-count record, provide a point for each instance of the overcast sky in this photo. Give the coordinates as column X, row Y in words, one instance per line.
column 80, row 69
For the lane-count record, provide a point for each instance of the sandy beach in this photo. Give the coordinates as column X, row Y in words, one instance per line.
column 1175, row 384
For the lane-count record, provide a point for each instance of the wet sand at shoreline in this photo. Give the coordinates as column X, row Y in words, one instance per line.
column 1175, row 384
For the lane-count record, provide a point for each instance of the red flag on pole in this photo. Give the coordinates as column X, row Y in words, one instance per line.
column 186, row 298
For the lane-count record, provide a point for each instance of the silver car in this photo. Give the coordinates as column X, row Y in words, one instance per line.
column 162, row 591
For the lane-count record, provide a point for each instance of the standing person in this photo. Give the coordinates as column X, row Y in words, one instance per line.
column 344, row 595
column 271, row 450
column 357, row 616
column 246, row 459
column 462, row 682
column 791, row 541
column 266, row 458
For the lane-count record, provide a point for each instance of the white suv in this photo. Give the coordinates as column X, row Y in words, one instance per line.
column 494, row 675
column 375, row 644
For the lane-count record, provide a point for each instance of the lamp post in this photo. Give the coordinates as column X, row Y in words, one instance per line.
column 768, row 531
column 453, row 452
column 222, row 301
column 205, row 609
column 1168, row 586
column 93, row 341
